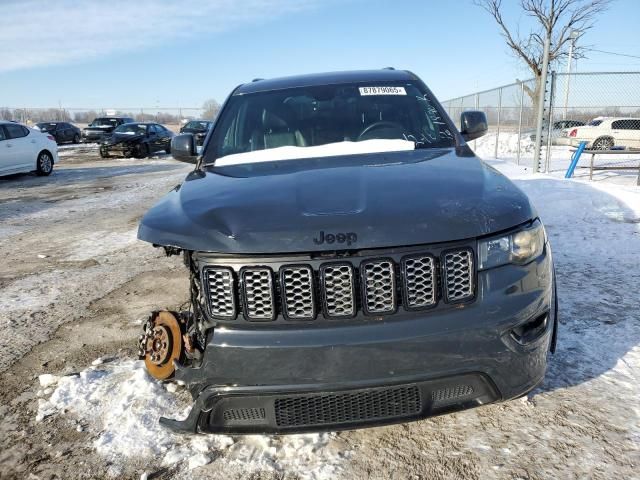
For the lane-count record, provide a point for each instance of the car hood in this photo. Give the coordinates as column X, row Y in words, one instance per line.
column 385, row 199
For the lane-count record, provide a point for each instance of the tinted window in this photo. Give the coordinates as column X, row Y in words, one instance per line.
column 197, row 125
column 46, row 126
column 632, row 124
column 594, row 123
column 105, row 122
column 16, row 131
column 319, row 115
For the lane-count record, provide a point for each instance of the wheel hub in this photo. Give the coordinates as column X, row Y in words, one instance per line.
column 161, row 344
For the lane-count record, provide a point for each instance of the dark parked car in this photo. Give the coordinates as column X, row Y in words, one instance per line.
column 102, row 127
column 198, row 128
column 137, row 140
column 61, row 131
column 351, row 261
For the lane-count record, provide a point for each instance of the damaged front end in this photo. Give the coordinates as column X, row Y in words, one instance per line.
column 173, row 340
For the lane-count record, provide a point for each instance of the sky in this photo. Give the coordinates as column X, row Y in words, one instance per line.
column 178, row 53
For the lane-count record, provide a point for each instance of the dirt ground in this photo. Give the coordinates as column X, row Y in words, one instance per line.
column 75, row 285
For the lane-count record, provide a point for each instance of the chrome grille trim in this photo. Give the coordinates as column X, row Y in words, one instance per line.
column 297, row 292
column 220, row 292
column 338, row 288
column 458, row 275
column 378, row 286
column 419, row 281
column 258, row 293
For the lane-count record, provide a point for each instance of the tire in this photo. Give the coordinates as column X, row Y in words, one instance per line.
column 44, row 164
column 76, row 138
column 602, row 143
column 104, row 153
column 142, row 151
column 168, row 150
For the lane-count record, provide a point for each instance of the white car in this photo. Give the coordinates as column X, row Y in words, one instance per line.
column 604, row 134
column 24, row 149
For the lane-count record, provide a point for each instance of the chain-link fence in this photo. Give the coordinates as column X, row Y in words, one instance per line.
column 571, row 100
column 172, row 117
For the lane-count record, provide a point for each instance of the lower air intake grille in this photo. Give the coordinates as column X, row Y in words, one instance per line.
column 451, row 393
column 380, row 404
column 244, row 414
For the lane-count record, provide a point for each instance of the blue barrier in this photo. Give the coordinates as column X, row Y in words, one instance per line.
column 574, row 159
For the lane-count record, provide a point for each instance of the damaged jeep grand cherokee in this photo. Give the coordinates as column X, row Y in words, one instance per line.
column 352, row 262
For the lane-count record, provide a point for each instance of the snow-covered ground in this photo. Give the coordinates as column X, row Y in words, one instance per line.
column 559, row 159
column 582, row 422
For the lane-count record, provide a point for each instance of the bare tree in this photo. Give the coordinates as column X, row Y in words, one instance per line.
column 210, row 109
column 555, row 19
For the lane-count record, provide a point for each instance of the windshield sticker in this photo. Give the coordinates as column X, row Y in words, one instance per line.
column 382, row 91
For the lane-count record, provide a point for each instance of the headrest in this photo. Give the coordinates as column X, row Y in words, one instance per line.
column 271, row 121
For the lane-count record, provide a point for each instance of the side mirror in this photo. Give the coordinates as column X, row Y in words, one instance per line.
column 473, row 124
column 183, row 148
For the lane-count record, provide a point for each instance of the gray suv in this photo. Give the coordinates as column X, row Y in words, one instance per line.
column 352, row 262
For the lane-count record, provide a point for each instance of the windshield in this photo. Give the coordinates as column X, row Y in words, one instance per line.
column 197, row 125
column 330, row 114
column 132, row 129
column 46, row 127
column 104, row 122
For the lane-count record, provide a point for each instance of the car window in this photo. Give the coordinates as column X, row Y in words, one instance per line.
column 594, row 123
column 131, row 129
column 16, row 131
column 632, row 124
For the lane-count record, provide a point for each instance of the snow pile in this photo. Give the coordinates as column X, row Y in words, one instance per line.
column 327, row 150
column 121, row 404
column 485, row 147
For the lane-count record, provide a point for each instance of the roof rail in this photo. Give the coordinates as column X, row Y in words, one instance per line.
column 256, row 80
column 388, row 68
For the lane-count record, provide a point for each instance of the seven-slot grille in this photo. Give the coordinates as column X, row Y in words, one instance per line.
column 339, row 289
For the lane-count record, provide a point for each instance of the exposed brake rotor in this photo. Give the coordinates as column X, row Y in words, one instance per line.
column 161, row 344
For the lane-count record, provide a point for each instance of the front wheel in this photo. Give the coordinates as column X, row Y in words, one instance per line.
column 142, row 151
column 76, row 138
column 168, row 149
column 44, row 164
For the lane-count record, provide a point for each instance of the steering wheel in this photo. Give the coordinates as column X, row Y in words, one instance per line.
column 381, row 124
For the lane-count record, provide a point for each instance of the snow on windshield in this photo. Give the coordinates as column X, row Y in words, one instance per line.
column 327, row 150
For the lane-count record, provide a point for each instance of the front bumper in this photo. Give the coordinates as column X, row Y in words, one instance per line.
column 119, row 149
column 400, row 368
column 93, row 137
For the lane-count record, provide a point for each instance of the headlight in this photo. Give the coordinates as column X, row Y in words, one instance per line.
column 519, row 247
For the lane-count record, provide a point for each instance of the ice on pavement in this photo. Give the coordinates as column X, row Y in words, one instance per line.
column 121, row 404
column 327, row 150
